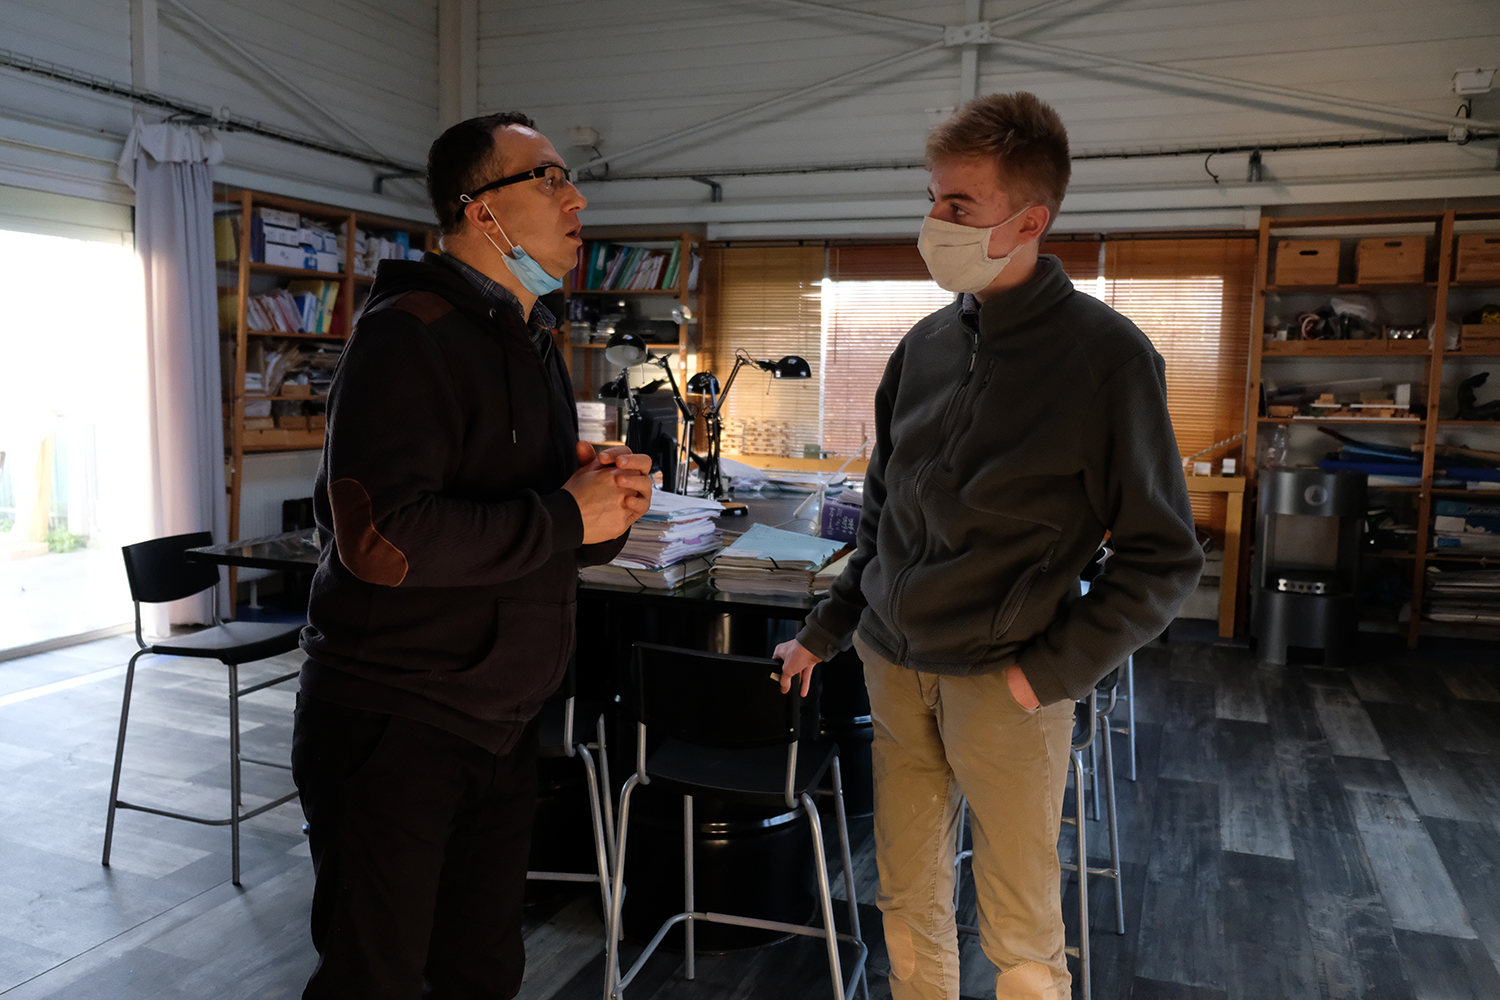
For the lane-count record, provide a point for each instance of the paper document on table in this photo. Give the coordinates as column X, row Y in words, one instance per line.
column 675, row 507
column 765, row 547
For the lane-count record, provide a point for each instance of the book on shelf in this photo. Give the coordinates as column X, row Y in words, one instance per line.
column 608, row 266
column 1465, row 509
column 301, row 307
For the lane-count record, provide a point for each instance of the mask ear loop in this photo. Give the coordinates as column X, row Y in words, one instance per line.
column 467, row 200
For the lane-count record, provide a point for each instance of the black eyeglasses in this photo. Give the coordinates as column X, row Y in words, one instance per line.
column 553, row 177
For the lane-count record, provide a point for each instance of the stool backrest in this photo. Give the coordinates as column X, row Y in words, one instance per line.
column 713, row 699
column 157, row 570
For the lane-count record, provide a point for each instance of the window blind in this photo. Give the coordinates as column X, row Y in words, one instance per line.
column 767, row 302
column 1192, row 298
column 865, row 320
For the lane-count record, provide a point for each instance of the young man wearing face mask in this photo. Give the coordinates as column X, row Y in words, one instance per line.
column 455, row 504
column 1014, row 428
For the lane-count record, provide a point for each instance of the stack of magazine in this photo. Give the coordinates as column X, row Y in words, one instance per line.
column 670, row 544
column 1464, row 596
column 768, row 560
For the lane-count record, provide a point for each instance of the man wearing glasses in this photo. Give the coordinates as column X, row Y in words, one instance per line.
column 455, row 504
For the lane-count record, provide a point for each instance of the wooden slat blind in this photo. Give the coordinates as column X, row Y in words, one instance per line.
column 767, row 302
column 866, row 320
column 1192, row 298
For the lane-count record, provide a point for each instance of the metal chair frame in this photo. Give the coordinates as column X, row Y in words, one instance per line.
column 236, row 816
column 1097, row 722
column 601, row 809
column 615, row 983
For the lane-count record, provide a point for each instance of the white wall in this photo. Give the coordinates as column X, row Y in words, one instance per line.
column 639, row 70
column 373, row 65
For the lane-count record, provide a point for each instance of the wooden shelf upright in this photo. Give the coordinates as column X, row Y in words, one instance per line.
column 1435, row 287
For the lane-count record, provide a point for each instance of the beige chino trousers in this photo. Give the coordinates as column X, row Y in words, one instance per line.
column 937, row 739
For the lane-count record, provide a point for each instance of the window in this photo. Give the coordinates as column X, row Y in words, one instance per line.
column 768, row 303
column 1190, row 296
column 73, row 451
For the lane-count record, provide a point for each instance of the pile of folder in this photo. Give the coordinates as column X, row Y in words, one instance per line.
column 767, row 560
column 1464, row 596
column 671, row 543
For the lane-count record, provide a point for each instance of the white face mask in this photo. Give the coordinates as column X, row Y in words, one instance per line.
column 958, row 257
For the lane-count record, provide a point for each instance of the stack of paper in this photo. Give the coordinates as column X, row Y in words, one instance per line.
column 666, row 546
column 770, row 561
column 825, row 576
column 591, row 421
column 1471, row 596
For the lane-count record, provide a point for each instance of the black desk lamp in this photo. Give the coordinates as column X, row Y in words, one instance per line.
column 707, row 383
column 628, row 350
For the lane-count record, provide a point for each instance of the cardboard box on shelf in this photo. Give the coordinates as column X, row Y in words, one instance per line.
column 285, row 256
column 282, row 236
column 1478, row 257
column 278, row 217
column 1390, row 259
column 1307, row 262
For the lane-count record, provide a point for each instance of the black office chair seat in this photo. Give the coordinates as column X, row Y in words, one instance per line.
column 758, row 773
column 233, row 642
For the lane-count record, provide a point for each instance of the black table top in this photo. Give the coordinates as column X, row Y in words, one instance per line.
column 290, row 550
column 298, row 551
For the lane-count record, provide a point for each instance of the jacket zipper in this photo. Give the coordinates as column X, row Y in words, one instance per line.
column 900, row 582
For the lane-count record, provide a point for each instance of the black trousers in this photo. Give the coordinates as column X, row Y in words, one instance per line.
column 420, row 841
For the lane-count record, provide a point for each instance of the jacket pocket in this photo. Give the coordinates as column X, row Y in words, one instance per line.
column 532, row 643
column 1015, row 598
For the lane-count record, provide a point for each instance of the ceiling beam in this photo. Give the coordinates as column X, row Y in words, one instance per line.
column 145, row 46
column 274, row 76
column 1322, row 105
column 968, row 66
column 867, row 17
column 458, row 61
column 671, row 138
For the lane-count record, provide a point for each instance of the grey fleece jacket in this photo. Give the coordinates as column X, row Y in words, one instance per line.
column 1007, row 444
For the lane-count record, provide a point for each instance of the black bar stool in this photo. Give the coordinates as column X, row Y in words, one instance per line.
column 561, row 734
column 731, row 734
column 158, row 572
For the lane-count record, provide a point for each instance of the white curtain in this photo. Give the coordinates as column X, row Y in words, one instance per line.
column 167, row 165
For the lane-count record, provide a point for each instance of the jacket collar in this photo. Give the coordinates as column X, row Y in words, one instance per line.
column 1019, row 306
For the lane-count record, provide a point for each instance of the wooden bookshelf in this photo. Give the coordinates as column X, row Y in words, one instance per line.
column 583, row 358
column 1435, row 288
column 237, row 274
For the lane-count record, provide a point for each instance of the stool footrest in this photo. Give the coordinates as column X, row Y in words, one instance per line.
column 203, row 820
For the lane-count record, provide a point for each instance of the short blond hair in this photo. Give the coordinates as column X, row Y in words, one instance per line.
column 1025, row 137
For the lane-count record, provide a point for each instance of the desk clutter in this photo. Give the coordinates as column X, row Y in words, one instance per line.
column 670, row 544
column 766, row 560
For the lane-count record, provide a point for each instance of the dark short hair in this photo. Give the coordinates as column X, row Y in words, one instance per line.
column 1025, row 137
column 461, row 160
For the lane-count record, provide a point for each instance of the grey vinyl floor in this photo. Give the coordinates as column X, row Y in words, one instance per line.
column 1293, row 832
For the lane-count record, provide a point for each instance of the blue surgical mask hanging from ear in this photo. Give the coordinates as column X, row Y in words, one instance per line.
column 533, row 276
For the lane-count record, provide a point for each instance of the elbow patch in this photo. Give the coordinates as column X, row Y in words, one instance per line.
column 365, row 552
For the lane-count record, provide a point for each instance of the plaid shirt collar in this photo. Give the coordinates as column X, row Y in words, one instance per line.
column 542, row 321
